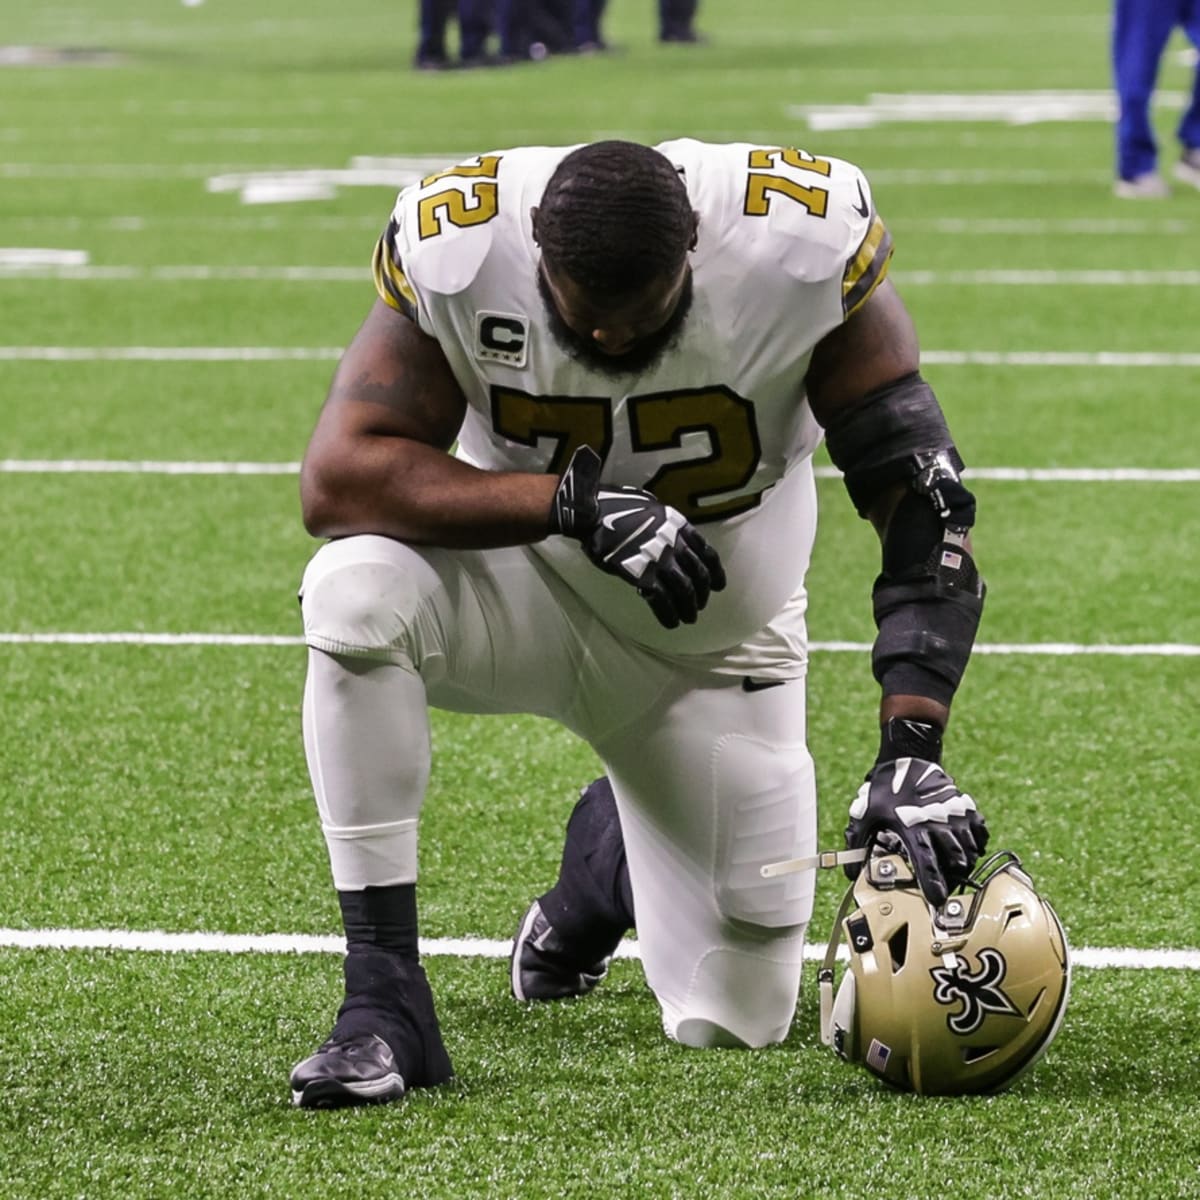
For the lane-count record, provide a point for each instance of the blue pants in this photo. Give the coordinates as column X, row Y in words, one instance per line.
column 675, row 19
column 585, row 21
column 522, row 23
column 1141, row 29
column 474, row 22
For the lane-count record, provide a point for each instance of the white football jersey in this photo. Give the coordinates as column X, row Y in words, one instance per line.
column 789, row 246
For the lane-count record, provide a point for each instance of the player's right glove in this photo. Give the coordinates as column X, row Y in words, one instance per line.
column 913, row 799
column 629, row 533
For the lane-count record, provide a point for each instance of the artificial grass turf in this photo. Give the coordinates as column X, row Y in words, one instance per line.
column 165, row 787
column 153, row 1075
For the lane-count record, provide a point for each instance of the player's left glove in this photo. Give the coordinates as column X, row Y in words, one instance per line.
column 631, row 534
column 912, row 798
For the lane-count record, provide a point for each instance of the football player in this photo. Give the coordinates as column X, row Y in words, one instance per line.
column 565, row 467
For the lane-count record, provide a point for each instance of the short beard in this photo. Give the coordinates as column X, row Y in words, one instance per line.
column 643, row 356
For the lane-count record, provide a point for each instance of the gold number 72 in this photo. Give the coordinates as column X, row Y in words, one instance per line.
column 760, row 186
column 451, row 204
column 657, row 422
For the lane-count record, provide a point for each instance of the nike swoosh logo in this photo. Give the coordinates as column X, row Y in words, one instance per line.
column 862, row 207
column 610, row 522
column 760, row 685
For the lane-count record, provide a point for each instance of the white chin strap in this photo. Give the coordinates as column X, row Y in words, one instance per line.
column 823, row 861
column 825, row 975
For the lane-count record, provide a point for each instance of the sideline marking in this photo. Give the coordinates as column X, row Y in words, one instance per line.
column 1052, row 649
column 1008, row 108
column 1122, row 957
column 104, row 466
column 34, row 260
column 945, row 358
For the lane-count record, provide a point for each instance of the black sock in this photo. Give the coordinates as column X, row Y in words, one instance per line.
column 388, row 993
column 382, row 916
column 591, row 905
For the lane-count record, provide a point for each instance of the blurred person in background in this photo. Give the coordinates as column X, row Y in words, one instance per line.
column 587, row 14
column 1141, row 30
column 675, row 19
column 474, row 25
column 533, row 29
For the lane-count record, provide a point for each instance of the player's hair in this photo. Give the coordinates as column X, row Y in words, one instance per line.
column 614, row 216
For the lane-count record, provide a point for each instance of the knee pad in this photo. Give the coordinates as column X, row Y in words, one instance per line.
column 360, row 596
column 742, row 998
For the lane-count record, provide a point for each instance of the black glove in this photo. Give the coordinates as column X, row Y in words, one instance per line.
column 910, row 796
column 628, row 533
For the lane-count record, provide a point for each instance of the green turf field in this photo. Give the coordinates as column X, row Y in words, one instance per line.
column 162, row 787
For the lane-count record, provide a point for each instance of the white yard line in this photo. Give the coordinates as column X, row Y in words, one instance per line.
column 1050, row 649
column 953, row 226
column 951, row 358
column 1035, row 226
column 1044, row 278
column 148, row 639
column 189, row 273
column 1125, row 958
column 60, row 264
column 90, row 466
column 1057, row 358
column 104, row 466
column 170, row 353
column 397, row 173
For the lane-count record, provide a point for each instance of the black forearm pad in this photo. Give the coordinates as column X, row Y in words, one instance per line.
column 927, row 628
column 873, row 444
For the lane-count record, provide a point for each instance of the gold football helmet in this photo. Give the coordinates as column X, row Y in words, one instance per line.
column 952, row 1000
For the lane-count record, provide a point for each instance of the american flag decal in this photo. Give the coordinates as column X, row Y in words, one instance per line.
column 951, row 559
column 878, row 1055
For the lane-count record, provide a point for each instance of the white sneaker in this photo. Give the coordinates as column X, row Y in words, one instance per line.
column 1187, row 169
column 1149, row 186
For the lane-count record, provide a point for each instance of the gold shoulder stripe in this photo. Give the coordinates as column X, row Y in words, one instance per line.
column 390, row 281
column 866, row 270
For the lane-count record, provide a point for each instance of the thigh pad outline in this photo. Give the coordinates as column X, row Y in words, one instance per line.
column 766, row 807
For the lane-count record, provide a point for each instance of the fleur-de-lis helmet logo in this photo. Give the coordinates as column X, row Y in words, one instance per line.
column 977, row 991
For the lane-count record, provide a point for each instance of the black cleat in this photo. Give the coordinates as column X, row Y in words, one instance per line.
column 541, row 967
column 353, row 1070
column 386, row 1040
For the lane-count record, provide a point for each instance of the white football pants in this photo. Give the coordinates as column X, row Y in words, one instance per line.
column 711, row 780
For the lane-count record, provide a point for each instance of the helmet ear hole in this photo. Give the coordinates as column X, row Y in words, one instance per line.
column 898, row 948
